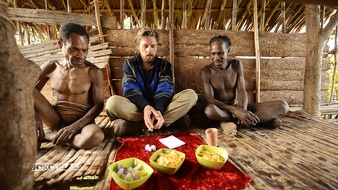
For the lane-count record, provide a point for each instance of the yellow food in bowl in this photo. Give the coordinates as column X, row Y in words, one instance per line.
column 211, row 156
column 171, row 159
column 167, row 161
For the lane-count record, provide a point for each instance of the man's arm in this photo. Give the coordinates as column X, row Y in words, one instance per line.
column 43, row 78
column 242, row 97
column 165, row 88
column 131, row 89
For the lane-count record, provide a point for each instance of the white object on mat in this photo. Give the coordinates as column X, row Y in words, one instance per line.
column 172, row 142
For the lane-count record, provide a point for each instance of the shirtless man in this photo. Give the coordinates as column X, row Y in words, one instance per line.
column 225, row 93
column 79, row 92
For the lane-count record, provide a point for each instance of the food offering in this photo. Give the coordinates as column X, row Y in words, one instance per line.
column 211, row 157
column 171, row 159
column 130, row 173
column 167, row 161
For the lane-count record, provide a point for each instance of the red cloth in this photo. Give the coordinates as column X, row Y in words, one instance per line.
column 191, row 175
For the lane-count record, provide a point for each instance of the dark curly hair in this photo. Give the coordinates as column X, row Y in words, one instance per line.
column 67, row 29
column 224, row 38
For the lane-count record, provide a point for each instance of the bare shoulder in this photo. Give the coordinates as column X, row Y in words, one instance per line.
column 49, row 67
column 94, row 71
column 235, row 64
column 206, row 69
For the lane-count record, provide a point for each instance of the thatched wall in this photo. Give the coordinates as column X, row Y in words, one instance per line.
column 281, row 78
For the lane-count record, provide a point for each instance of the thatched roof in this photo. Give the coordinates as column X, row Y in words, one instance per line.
column 273, row 16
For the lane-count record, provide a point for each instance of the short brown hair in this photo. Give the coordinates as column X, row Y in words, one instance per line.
column 146, row 32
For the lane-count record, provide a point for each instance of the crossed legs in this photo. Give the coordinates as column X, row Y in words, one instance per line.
column 265, row 111
column 90, row 135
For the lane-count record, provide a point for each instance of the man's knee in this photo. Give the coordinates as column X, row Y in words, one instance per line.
column 111, row 102
column 209, row 110
column 111, row 106
column 284, row 107
column 191, row 97
column 91, row 136
column 97, row 138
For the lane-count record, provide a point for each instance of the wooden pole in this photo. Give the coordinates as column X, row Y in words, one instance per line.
column 272, row 12
column 69, row 7
column 239, row 24
column 185, row 14
column 134, row 13
column 234, row 15
column 98, row 19
column 220, row 14
column 111, row 13
column 207, row 23
column 171, row 37
column 323, row 18
column 283, row 17
column 335, row 66
column 122, row 14
column 156, row 22
column 143, row 13
column 257, row 51
column 261, row 27
column 162, row 15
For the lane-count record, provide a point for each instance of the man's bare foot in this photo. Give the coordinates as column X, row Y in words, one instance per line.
column 229, row 128
column 272, row 124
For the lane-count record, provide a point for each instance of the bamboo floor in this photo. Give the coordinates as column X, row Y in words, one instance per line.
column 302, row 154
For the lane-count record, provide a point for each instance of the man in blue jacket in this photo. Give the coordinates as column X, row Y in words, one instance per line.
column 148, row 92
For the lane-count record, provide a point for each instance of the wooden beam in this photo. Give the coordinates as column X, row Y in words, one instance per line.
column 98, row 19
column 156, row 21
column 171, row 37
column 206, row 14
column 133, row 12
column 239, row 25
column 69, row 7
column 178, row 10
column 220, row 14
column 234, row 15
column 257, row 52
column 329, row 3
column 109, row 8
column 272, row 12
column 162, row 15
column 335, row 67
column 53, row 17
column 261, row 27
column 122, row 13
column 283, row 16
column 185, row 14
column 322, row 18
column 143, row 13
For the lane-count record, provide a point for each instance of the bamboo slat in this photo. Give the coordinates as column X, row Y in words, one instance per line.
column 54, row 17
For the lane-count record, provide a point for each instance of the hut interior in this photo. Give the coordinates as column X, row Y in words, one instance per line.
column 268, row 36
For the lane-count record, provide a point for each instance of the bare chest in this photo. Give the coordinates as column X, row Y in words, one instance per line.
column 222, row 80
column 75, row 81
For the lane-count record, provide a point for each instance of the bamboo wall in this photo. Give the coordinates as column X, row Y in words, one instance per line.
column 282, row 63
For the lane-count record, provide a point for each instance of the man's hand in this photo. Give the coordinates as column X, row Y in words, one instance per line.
column 65, row 135
column 153, row 119
column 246, row 117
